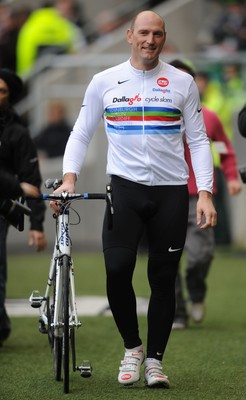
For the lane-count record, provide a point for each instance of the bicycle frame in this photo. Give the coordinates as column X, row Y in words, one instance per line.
column 62, row 247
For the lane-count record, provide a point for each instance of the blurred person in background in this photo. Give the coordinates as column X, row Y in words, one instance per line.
column 200, row 244
column 10, row 21
column 213, row 97
column 233, row 88
column 229, row 32
column 52, row 139
column 223, row 95
column 18, row 157
column 12, row 202
column 73, row 11
column 44, row 32
column 211, row 92
column 242, row 121
column 12, row 188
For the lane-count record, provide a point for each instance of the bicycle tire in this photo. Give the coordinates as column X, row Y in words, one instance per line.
column 56, row 342
column 65, row 344
column 57, row 352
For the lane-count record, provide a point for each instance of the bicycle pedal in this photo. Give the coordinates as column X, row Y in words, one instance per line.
column 85, row 369
column 36, row 299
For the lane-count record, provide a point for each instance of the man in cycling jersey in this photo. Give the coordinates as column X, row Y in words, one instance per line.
column 146, row 105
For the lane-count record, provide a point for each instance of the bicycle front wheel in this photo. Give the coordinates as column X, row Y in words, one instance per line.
column 57, row 350
column 65, row 295
column 54, row 340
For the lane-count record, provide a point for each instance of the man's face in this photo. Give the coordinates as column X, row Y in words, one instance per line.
column 4, row 94
column 147, row 38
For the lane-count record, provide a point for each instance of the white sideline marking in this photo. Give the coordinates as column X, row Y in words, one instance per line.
column 86, row 305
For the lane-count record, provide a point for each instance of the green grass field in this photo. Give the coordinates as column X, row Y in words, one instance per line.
column 206, row 361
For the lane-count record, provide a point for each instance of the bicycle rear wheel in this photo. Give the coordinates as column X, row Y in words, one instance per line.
column 65, row 344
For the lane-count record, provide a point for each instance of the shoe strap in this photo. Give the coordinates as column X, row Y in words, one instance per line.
column 155, row 370
column 130, row 362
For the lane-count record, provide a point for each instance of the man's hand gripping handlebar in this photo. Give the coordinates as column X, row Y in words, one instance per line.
column 66, row 190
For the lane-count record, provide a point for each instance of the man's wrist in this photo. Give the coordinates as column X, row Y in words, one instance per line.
column 70, row 177
column 205, row 194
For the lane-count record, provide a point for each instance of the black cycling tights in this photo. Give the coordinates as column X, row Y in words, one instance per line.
column 163, row 212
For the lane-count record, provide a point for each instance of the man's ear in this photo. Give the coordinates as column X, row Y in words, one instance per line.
column 129, row 35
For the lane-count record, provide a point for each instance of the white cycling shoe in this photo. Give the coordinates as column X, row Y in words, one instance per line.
column 154, row 376
column 130, row 367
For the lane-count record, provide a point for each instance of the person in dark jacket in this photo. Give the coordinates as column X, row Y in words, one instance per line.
column 12, row 199
column 12, row 188
column 242, row 121
column 18, row 156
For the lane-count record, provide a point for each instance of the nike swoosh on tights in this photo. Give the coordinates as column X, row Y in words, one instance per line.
column 171, row 250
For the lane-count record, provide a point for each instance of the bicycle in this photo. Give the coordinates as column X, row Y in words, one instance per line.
column 57, row 308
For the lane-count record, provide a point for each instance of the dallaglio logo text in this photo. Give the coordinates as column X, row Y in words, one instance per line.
column 163, row 82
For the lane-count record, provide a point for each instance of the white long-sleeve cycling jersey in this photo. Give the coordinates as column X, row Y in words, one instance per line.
column 145, row 115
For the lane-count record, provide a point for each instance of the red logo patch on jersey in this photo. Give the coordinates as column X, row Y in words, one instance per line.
column 163, row 82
